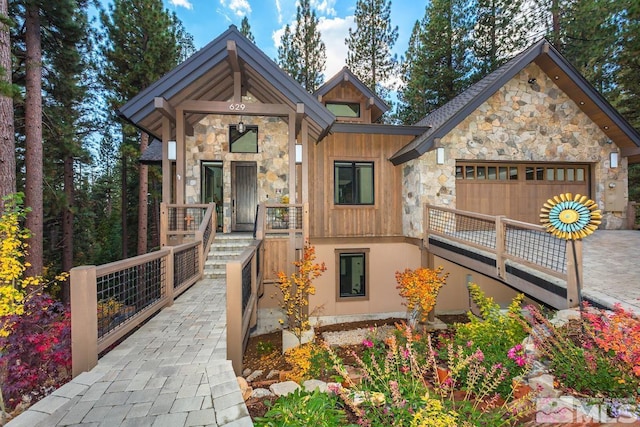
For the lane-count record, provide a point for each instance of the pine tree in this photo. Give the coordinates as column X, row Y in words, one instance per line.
column 370, row 42
column 435, row 68
column 245, row 29
column 500, row 32
column 143, row 41
column 303, row 53
column 7, row 136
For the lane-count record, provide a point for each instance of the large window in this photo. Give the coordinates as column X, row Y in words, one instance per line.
column 353, row 183
column 352, row 273
column 344, row 109
column 243, row 142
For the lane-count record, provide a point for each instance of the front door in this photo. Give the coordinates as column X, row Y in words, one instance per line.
column 212, row 189
column 244, row 182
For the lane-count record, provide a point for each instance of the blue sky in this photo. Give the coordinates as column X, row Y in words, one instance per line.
column 206, row 19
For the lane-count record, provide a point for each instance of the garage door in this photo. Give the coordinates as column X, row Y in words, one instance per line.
column 516, row 190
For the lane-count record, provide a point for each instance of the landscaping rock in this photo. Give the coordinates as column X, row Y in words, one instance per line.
column 562, row 317
column 254, row 375
column 357, row 336
column 246, row 372
column 283, row 389
column 260, row 393
column 245, row 389
column 273, row 374
column 311, row 385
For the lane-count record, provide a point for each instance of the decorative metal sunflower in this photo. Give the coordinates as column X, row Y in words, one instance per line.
column 570, row 218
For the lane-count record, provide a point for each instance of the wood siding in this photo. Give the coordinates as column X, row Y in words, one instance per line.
column 275, row 258
column 384, row 218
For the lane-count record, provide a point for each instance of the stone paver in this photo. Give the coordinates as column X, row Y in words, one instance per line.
column 164, row 374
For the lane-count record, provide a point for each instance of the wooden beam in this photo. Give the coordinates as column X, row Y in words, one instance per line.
column 629, row 151
column 237, row 86
column 300, row 115
column 232, row 51
column 166, row 164
column 222, row 107
column 370, row 102
column 165, row 108
column 180, row 157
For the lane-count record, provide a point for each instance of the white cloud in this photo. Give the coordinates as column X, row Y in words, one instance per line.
column 324, row 7
column 238, row 7
column 279, row 9
column 182, row 3
column 334, row 31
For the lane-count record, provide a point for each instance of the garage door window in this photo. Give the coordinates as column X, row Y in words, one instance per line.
column 556, row 173
column 491, row 173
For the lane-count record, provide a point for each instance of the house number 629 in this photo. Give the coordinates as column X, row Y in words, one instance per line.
column 237, row 107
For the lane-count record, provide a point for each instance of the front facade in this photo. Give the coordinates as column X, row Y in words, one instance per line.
column 246, row 133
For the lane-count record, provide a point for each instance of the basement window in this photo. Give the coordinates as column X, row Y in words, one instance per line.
column 353, row 278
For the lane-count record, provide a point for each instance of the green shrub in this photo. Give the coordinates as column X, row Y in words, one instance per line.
column 302, row 409
column 494, row 333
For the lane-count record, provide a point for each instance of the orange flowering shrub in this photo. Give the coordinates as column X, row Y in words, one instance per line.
column 420, row 288
column 296, row 290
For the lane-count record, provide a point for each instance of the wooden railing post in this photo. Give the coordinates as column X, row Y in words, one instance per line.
column 501, row 236
column 254, row 289
column 169, row 280
column 164, row 224
column 574, row 272
column 84, row 319
column 234, row 315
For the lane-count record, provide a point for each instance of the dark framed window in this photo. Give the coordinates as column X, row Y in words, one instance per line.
column 353, row 183
column 243, row 142
column 352, row 270
column 344, row 109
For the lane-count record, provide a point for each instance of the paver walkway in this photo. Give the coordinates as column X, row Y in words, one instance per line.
column 172, row 372
column 611, row 268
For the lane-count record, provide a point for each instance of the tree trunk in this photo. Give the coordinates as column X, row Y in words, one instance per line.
column 33, row 140
column 143, row 198
column 7, row 136
column 67, row 225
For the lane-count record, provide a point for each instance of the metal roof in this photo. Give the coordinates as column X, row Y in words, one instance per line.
column 567, row 77
column 208, row 75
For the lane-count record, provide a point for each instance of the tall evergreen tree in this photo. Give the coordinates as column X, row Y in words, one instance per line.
column 143, row 41
column 7, row 136
column 245, row 29
column 501, row 30
column 436, row 67
column 370, row 43
column 303, row 53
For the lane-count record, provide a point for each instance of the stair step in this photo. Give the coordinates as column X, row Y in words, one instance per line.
column 225, row 247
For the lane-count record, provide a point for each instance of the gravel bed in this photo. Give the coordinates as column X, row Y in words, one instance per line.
column 356, row 336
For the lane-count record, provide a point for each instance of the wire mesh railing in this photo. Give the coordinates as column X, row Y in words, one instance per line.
column 532, row 244
column 123, row 292
column 186, row 265
column 519, row 242
column 283, row 218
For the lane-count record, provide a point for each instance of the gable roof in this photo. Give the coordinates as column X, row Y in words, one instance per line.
column 209, row 75
column 345, row 75
column 565, row 76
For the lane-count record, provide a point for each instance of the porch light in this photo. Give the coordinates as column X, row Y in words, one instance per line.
column 171, row 150
column 241, row 127
column 440, row 156
column 613, row 159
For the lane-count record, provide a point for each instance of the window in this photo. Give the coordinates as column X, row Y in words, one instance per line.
column 352, row 273
column 344, row 109
column 353, row 183
column 245, row 142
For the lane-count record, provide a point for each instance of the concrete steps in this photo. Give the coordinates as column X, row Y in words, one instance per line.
column 224, row 248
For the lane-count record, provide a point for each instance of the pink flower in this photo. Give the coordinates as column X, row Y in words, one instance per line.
column 479, row 355
column 367, row 343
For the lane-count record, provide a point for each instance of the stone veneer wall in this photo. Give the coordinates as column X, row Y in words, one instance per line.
column 210, row 142
column 517, row 123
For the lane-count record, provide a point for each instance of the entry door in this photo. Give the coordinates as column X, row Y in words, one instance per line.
column 245, row 199
column 212, row 188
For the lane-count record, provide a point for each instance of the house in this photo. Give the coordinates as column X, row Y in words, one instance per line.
column 246, row 134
